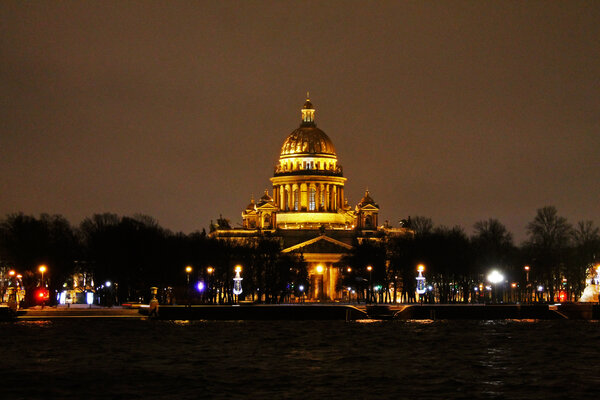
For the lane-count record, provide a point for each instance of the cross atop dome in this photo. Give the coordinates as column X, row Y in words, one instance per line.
column 308, row 112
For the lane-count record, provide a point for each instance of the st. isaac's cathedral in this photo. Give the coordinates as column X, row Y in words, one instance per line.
column 307, row 209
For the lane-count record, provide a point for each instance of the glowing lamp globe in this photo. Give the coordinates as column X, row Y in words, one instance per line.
column 495, row 277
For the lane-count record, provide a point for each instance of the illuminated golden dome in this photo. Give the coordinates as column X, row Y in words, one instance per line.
column 307, row 139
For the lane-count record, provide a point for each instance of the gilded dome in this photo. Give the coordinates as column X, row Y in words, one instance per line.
column 307, row 140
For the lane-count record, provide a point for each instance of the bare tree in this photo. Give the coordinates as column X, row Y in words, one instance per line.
column 586, row 240
column 549, row 238
column 421, row 225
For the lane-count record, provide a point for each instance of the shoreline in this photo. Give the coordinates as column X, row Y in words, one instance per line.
column 306, row 312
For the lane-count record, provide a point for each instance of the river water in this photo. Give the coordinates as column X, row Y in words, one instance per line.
column 143, row 359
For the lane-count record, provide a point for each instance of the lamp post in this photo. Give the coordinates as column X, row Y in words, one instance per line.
column 370, row 288
column 237, row 281
column 301, row 290
column 188, row 271
column 42, row 269
column 526, row 268
column 320, row 272
column 421, row 289
column 494, row 278
column 349, row 270
column 513, row 291
column 210, row 271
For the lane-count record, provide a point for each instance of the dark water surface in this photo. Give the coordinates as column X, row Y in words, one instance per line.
column 135, row 359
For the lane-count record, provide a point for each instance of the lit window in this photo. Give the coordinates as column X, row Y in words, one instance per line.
column 311, row 199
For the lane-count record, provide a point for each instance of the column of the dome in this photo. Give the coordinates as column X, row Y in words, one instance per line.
column 303, row 197
column 331, row 197
column 341, row 202
column 295, row 197
column 332, row 200
column 287, row 197
column 317, row 197
column 335, row 198
column 319, row 194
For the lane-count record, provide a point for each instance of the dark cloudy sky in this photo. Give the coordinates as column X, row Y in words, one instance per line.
column 457, row 110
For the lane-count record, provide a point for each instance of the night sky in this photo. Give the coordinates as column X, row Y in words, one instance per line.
column 455, row 110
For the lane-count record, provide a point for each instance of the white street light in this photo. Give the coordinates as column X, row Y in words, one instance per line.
column 495, row 277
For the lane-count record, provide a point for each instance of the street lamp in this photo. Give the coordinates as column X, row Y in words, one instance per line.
column 42, row 269
column 301, row 290
column 527, row 268
column 494, row 278
column 370, row 289
column 188, row 270
column 421, row 289
column 237, row 281
column 320, row 272
column 209, row 271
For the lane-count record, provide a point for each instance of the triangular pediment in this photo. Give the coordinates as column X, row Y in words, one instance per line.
column 267, row 207
column 320, row 244
column 369, row 207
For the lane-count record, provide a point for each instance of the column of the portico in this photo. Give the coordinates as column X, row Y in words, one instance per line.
column 335, row 193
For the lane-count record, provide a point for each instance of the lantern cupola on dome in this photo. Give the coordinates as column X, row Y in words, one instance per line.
column 308, row 112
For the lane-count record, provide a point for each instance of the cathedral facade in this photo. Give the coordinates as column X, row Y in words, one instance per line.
column 307, row 209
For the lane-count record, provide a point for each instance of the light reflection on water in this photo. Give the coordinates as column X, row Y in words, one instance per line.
column 293, row 359
column 40, row 324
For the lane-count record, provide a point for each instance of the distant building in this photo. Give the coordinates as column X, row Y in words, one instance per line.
column 308, row 211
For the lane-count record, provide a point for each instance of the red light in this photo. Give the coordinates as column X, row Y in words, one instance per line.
column 42, row 294
column 562, row 296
